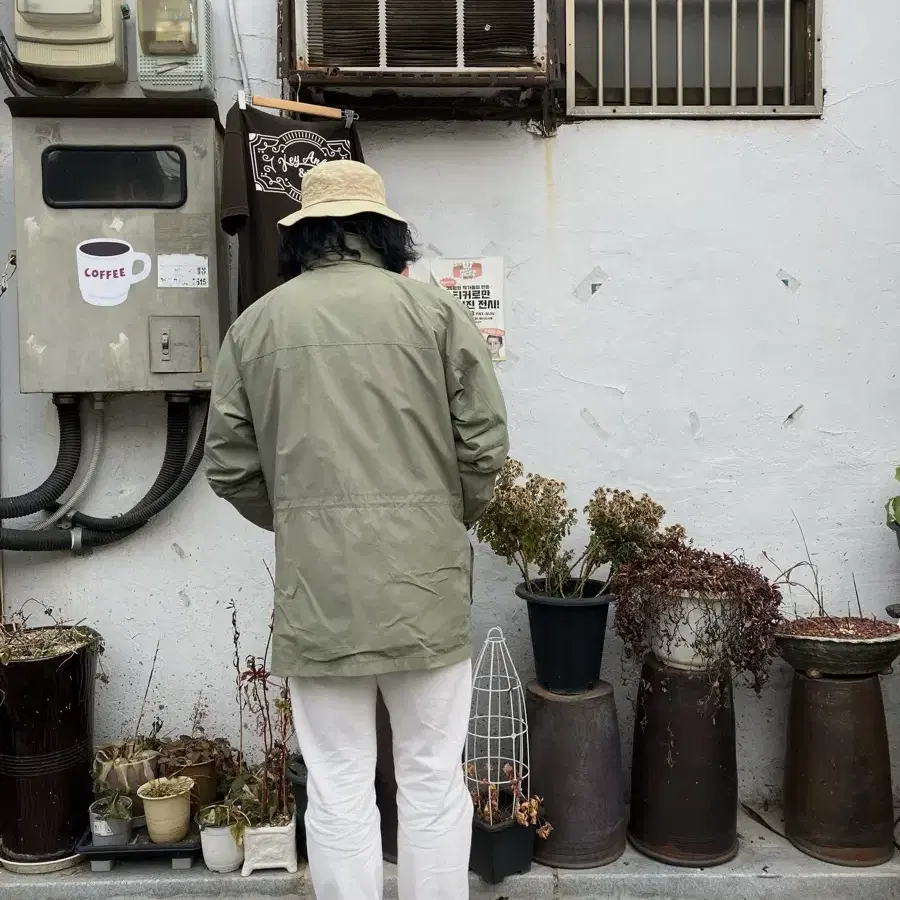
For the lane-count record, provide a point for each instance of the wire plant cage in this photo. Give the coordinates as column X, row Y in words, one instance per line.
column 497, row 751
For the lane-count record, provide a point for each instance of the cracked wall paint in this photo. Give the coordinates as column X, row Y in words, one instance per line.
column 693, row 220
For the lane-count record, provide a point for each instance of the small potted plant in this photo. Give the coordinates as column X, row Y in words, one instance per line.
column 528, row 523
column 122, row 767
column 125, row 766
column 263, row 793
column 167, row 807
column 833, row 645
column 505, row 826
column 266, row 797
column 110, row 816
column 698, row 610
column 222, row 827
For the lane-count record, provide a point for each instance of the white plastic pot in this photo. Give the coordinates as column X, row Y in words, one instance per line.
column 270, row 847
column 221, row 852
column 673, row 640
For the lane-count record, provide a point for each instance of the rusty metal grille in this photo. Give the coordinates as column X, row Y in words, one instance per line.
column 421, row 34
column 342, row 33
column 693, row 58
column 460, row 35
column 498, row 33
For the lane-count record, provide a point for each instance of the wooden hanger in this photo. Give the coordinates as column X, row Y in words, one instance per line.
column 309, row 109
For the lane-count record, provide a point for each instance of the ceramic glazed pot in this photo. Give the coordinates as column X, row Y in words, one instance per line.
column 674, row 641
column 818, row 656
column 168, row 818
column 270, row 847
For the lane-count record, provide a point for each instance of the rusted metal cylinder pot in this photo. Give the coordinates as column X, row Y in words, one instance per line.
column 684, row 769
column 576, row 766
column 837, row 773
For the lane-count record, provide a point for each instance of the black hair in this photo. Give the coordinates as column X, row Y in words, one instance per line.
column 325, row 238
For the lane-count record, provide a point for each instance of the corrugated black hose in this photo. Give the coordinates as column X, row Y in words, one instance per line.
column 86, row 538
column 68, row 411
column 178, row 426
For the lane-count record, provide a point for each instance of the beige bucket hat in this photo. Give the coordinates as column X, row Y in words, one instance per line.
column 341, row 188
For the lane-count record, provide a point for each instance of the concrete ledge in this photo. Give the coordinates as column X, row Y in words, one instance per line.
column 767, row 868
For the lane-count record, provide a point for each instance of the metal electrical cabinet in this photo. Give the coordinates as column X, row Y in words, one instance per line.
column 123, row 282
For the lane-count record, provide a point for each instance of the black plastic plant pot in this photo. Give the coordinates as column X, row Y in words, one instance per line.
column 567, row 636
column 46, row 748
column 499, row 851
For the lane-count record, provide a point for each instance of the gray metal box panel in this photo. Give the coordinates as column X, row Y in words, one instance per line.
column 92, row 335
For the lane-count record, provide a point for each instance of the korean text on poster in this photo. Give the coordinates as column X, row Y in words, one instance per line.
column 477, row 283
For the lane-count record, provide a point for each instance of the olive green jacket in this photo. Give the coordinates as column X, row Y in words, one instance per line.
column 357, row 414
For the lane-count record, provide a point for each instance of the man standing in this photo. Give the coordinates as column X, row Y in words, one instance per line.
column 357, row 414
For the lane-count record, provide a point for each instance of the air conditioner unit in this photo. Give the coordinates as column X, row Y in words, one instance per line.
column 175, row 48
column 72, row 40
column 491, row 42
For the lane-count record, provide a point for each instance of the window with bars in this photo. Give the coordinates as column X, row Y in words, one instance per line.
column 693, row 58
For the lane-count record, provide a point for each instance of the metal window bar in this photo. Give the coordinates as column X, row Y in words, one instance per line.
column 627, row 50
column 799, row 95
column 654, row 53
column 707, row 88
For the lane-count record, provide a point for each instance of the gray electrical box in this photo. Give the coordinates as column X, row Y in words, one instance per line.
column 122, row 278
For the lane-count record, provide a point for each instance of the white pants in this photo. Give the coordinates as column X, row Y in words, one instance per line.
column 335, row 721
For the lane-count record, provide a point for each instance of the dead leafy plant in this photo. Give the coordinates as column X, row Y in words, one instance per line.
column 528, row 522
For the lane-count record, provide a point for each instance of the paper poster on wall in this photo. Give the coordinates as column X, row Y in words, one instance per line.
column 477, row 283
column 182, row 270
column 106, row 270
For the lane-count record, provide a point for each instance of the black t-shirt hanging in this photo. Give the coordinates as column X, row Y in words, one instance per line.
column 264, row 159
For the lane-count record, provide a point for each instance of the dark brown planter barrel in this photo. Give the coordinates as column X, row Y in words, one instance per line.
column 46, row 749
column 837, row 773
column 576, row 767
column 684, row 770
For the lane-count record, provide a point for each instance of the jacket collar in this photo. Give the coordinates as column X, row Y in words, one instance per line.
column 367, row 255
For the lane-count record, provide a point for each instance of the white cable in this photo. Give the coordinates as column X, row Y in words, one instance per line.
column 96, row 453
column 238, row 47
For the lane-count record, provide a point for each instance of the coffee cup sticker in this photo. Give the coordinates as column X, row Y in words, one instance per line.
column 106, row 270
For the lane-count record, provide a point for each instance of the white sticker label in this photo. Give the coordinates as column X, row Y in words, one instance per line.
column 182, row 270
column 101, row 828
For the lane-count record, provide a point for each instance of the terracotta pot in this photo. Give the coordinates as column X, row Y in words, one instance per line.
column 270, row 847
column 168, row 818
column 673, row 640
column 204, row 776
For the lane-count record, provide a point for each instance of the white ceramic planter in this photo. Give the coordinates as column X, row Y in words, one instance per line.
column 270, row 848
column 221, row 852
column 673, row 641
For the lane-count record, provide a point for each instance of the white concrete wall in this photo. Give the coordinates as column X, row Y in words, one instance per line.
column 676, row 377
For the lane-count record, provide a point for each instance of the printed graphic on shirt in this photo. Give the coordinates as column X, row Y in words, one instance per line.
column 279, row 161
